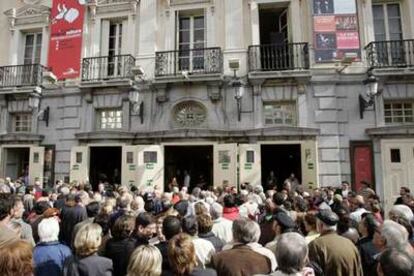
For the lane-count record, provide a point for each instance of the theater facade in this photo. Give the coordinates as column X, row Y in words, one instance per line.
column 210, row 92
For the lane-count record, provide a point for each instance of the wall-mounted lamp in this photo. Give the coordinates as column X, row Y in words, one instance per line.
column 43, row 115
column 371, row 84
column 137, row 104
column 34, row 98
column 237, row 84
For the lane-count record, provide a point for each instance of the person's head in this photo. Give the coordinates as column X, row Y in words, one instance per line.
column 88, row 239
column 205, row 224
column 6, row 206
column 16, row 259
column 104, row 221
column 404, row 191
column 123, row 202
column 368, row 225
column 229, row 201
column 200, row 208
column 146, row 225
column 171, row 226
column 181, row 254
column 190, row 225
column 48, row 230
column 345, row 185
column 365, row 184
column 181, row 207
column 216, row 210
column 326, row 221
column 245, row 231
column 282, row 223
column 310, row 222
column 123, row 227
column 279, row 198
column 40, row 207
column 92, row 209
column 401, row 210
column 146, row 260
column 395, row 262
column 18, row 207
column 291, row 253
column 390, row 235
column 358, row 202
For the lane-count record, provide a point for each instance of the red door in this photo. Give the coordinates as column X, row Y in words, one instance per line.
column 362, row 164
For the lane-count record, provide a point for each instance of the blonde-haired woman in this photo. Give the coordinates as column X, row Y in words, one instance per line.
column 86, row 261
column 146, row 260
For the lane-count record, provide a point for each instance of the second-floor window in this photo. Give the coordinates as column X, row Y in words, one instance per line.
column 387, row 21
column 110, row 119
column 32, row 48
column 280, row 113
column 191, row 37
column 113, row 43
column 21, row 122
column 398, row 112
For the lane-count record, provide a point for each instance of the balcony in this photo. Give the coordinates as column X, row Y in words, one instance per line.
column 194, row 62
column 278, row 57
column 108, row 68
column 21, row 75
column 391, row 54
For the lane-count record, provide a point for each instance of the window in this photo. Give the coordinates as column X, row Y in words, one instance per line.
column 398, row 112
column 191, row 42
column 22, row 122
column 280, row 113
column 395, row 156
column 150, row 157
column 387, row 21
column 110, row 119
column 114, row 48
column 32, row 48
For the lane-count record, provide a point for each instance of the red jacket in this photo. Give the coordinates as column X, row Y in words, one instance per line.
column 231, row 213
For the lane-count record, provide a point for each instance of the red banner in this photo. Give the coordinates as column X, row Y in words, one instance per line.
column 65, row 46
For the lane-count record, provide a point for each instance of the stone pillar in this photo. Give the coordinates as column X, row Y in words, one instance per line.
column 255, row 23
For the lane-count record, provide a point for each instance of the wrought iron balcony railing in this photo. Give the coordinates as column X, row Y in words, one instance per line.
column 193, row 61
column 391, row 53
column 21, row 75
column 278, row 57
column 107, row 67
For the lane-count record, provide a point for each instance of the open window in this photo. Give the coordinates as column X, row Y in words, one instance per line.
column 274, row 23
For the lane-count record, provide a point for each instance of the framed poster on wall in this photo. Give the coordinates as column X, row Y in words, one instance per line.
column 335, row 30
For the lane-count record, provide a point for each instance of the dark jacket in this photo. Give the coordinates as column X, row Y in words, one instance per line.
column 367, row 251
column 49, row 257
column 93, row 265
column 218, row 244
column 336, row 255
column 70, row 216
column 163, row 248
column 119, row 251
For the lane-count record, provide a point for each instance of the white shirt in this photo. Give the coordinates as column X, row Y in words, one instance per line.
column 204, row 249
column 356, row 215
column 222, row 228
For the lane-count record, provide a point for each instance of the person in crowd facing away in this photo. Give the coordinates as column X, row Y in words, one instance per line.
column 171, row 226
column 395, row 262
column 222, row 227
column 121, row 246
column 49, row 254
column 18, row 210
column 230, row 210
column 282, row 223
column 245, row 256
column 86, row 262
column 403, row 191
column 92, row 210
column 367, row 228
column 204, row 249
column 146, row 228
column 336, row 255
column 183, row 259
column 16, row 259
column 366, row 191
column 392, row 235
column 72, row 213
column 310, row 227
column 145, row 261
column 205, row 225
column 401, row 211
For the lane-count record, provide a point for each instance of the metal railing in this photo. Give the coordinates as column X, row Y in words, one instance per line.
column 193, row 61
column 278, row 57
column 21, row 75
column 107, row 67
column 391, row 53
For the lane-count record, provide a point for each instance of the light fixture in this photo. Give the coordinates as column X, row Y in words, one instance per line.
column 137, row 104
column 34, row 98
column 371, row 84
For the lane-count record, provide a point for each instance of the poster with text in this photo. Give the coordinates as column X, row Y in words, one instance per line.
column 65, row 45
column 335, row 30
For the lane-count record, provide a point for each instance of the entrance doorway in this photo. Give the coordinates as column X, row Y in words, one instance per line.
column 17, row 162
column 273, row 24
column 197, row 161
column 105, row 165
column 283, row 160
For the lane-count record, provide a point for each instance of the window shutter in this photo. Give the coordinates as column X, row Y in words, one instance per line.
column 104, row 37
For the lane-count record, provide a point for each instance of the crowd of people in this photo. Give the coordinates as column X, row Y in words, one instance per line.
column 72, row 230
